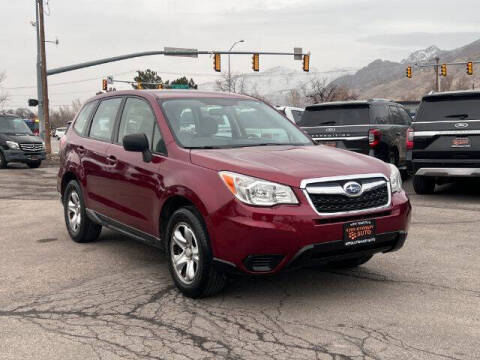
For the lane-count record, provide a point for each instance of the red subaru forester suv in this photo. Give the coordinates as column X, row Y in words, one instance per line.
column 224, row 183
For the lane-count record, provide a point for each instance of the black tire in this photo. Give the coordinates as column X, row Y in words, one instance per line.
column 350, row 263
column 207, row 280
column 423, row 185
column 34, row 164
column 3, row 162
column 87, row 230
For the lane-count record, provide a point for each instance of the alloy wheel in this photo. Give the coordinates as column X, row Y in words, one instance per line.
column 184, row 253
column 74, row 208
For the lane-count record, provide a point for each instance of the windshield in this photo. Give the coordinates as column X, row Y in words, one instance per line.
column 335, row 115
column 449, row 108
column 13, row 126
column 227, row 123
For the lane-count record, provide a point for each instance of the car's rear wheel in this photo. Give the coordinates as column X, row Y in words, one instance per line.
column 3, row 162
column 190, row 257
column 349, row 263
column 79, row 226
column 34, row 164
column 424, row 185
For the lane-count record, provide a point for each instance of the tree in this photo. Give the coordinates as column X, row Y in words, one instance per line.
column 183, row 81
column 148, row 78
column 238, row 85
column 321, row 91
column 61, row 116
column 3, row 95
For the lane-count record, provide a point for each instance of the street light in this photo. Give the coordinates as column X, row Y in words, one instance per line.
column 229, row 74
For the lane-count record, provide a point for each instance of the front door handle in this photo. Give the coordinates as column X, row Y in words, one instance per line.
column 112, row 160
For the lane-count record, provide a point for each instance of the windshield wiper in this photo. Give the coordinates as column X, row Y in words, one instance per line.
column 328, row 123
column 460, row 116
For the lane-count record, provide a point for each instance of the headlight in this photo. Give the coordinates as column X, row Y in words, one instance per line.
column 395, row 179
column 43, row 145
column 13, row 145
column 258, row 192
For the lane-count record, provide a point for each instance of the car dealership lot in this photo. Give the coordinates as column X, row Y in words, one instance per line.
column 114, row 298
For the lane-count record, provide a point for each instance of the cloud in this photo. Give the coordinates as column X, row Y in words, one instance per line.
column 412, row 40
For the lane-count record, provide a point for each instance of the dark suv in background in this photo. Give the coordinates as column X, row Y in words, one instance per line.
column 18, row 143
column 445, row 142
column 375, row 127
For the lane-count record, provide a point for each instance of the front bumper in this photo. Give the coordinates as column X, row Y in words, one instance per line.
column 266, row 240
column 23, row 156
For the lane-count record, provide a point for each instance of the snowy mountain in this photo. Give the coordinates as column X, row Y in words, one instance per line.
column 274, row 84
column 421, row 56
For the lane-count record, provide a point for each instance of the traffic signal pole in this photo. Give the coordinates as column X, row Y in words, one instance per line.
column 437, row 76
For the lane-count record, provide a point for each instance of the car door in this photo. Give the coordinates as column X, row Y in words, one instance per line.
column 95, row 164
column 136, row 186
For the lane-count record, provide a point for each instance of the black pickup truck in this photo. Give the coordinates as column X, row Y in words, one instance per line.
column 445, row 141
column 375, row 127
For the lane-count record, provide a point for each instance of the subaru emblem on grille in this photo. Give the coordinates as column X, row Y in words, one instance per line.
column 352, row 189
column 461, row 125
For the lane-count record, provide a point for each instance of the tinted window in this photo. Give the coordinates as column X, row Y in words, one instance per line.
column 336, row 115
column 13, row 126
column 104, row 119
column 395, row 115
column 407, row 120
column 381, row 114
column 297, row 115
column 449, row 108
column 82, row 118
column 137, row 118
column 222, row 122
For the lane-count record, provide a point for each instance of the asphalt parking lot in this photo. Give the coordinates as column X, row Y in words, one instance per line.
column 114, row 299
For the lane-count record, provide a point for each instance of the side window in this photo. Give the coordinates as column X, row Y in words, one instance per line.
column 407, row 120
column 158, row 144
column 395, row 115
column 104, row 119
column 380, row 115
column 137, row 118
column 83, row 117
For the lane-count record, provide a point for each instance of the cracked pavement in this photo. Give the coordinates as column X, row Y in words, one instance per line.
column 113, row 299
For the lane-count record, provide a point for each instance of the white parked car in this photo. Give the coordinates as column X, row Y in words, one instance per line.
column 293, row 114
column 59, row 132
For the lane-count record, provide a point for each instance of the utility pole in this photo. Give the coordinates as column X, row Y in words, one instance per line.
column 44, row 87
column 229, row 74
column 437, row 75
column 39, row 74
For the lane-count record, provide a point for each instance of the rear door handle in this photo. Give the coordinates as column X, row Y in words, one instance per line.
column 112, row 160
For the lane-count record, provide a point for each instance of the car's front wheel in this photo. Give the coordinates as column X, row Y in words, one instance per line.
column 79, row 226
column 190, row 256
column 423, row 184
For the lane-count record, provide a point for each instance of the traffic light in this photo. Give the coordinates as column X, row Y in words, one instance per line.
column 139, row 86
column 443, row 70
column 159, row 86
column 104, row 85
column 256, row 62
column 470, row 68
column 306, row 62
column 216, row 63
column 409, row 72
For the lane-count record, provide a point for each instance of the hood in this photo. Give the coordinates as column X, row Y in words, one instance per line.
column 288, row 164
column 21, row 138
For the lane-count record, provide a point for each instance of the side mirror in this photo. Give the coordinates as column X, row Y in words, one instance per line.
column 138, row 143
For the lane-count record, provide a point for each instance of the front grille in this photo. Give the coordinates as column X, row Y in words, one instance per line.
column 32, row 147
column 329, row 197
